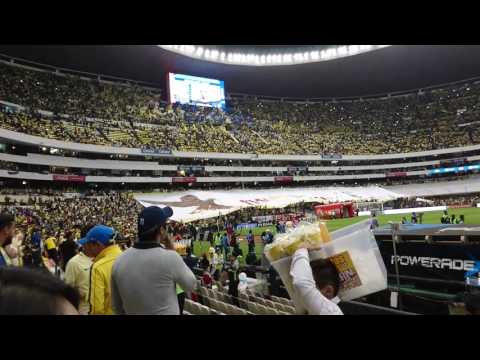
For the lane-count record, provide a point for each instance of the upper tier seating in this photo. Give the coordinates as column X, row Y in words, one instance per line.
column 415, row 122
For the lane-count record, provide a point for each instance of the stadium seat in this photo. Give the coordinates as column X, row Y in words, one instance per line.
column 243, row 304
column 269, row 303
column 214, row 304
column 230, row 309
column 188, row 305
column 204, row 310
column 263, row 310
column 289, row 309
column 278, row 306
column 284, row 301
column 241, row 311
column 272, row 311
column 223, row 307
column 203, row 291
column 220, row 296
column 252, row 307
column 214, row 312
column 260, row 300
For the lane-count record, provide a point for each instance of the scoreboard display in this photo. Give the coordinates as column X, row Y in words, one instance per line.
column 193, row 90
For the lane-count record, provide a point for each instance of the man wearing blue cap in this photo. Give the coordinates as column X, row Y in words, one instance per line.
column 145, row 276
column 100, row 243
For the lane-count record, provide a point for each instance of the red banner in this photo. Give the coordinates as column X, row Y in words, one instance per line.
column 396, row 174
column 283, row 179
column 72, row 178
column 184, row 180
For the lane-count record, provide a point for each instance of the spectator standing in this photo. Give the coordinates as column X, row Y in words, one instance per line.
column 242, row 283
column 145, row 276
column 251, row 242
column 67, row 250
column 374, row 222
column 229, row 232
column 251, row 258
column 190, row 259
column 267, row 237
column 207, row 280
column 100, row 243
column 51, row 247
column 205, row 263
column 233, row 279
column 225, row 245
column 36, row 248
column 7, row 231
column 77, row 274
column 414, row 218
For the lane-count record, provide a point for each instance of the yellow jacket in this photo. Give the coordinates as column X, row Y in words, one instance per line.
column 50, row 243
column 100, row 296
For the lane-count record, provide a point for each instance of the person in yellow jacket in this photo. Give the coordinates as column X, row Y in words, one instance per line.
column 100, row 243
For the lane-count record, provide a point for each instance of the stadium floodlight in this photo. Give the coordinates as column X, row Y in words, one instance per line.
column 353, row 49
column 314, row 53
column 342, row 50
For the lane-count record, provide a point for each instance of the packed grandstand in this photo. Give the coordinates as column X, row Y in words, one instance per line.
column 78, row 150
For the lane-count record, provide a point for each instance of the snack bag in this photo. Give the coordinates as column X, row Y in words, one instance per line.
column 284, row 245
column 275, row 251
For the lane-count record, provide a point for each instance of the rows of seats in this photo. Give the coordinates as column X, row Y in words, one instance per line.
column 269, row 304
column 195, row 308
column 219, row 300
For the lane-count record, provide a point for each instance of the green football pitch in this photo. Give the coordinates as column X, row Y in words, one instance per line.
column 472, row 216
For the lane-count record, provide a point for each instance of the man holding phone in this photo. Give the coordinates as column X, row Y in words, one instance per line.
column 145, row 277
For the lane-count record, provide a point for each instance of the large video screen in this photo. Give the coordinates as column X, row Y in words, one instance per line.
column 193, row 90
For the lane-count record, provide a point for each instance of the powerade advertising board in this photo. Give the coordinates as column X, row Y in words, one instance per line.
column 193, row 90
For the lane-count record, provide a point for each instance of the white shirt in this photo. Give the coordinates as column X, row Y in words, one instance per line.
column 77, row 274
column 313, row 300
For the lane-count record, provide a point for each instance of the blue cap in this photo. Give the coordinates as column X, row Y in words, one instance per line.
column 99, row 233
column 152, row 217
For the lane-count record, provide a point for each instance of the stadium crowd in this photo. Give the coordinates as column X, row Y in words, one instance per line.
column 102, row 274
column 127, row 115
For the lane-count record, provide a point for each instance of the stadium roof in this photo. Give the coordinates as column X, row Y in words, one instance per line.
column 269, row 55
column 391, row 69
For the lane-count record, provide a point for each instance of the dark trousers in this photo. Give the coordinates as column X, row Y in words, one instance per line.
column 181, row 302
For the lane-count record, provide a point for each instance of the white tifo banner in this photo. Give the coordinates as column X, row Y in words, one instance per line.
column 196, row 205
